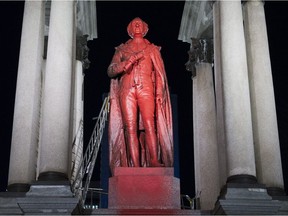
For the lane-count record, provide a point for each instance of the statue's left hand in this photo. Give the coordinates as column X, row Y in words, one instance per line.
column 160, row 96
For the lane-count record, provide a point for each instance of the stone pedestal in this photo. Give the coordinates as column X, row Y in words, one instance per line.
column 9, row 204
column 246, row 199
column 43, row 198
column 48, row 197
column 144, row 188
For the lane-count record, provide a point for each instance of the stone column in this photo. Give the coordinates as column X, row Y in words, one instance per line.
column 204, row 124
column 266, row 139
column 219, row 94
column 23, row 156
column 242, row 194
column 236, row 97
column 54, row 150
column 77, row 144
column 81, row 63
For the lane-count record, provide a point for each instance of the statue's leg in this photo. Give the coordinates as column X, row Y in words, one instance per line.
column 143, row 159
column 146, row 104
column 128, row 105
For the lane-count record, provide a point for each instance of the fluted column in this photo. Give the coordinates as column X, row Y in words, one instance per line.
column 236, row 97
column 54, row 150
column 266, row 139
column 25, row 133
column 204, row 124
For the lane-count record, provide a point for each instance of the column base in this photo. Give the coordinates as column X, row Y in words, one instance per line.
column 18, row 187
column 245, row 199
column 52, row 176
column 48, row 197
column 242, row 179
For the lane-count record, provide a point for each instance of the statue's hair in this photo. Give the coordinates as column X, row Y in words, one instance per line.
column 130, row 29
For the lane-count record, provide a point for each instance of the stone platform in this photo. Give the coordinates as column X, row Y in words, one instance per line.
column 139, row 212
column 144, row 188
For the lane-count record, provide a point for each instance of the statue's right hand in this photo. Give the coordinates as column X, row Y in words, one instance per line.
column 139, row 56
column 134, row 58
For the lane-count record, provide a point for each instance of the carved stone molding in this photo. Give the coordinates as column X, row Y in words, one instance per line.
column 82, row 51
column 201, row 50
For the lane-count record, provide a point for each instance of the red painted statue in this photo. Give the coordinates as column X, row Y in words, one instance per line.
column 140, row 121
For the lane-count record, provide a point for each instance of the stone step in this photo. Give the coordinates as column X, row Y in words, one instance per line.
column 144, row 212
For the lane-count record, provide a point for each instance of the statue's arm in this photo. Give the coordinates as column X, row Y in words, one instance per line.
column 116, row 66
column 120, row 65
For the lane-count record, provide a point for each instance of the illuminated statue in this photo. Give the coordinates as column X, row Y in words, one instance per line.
column 140, row 122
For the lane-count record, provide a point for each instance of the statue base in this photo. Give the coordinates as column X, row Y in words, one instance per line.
column 144, row 188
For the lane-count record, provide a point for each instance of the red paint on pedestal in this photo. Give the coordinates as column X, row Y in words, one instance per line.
column 144, row 188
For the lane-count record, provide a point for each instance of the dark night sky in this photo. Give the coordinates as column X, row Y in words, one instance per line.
column 164, row 20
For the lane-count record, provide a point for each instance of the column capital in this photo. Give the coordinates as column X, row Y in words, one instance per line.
column 82, row 50
column 201, row 51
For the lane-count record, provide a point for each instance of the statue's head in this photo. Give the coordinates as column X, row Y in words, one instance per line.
column 137, row 26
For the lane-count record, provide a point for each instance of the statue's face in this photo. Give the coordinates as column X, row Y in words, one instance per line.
column 137, row 27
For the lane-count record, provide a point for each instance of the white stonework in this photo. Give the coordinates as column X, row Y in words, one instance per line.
column 27, row 102
column 205, row 137
column 236, row 96
column 197, row 20
column 54, row 151
column 77, row 143
column 265, row 130
column 87, row 19
column 219, row 95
